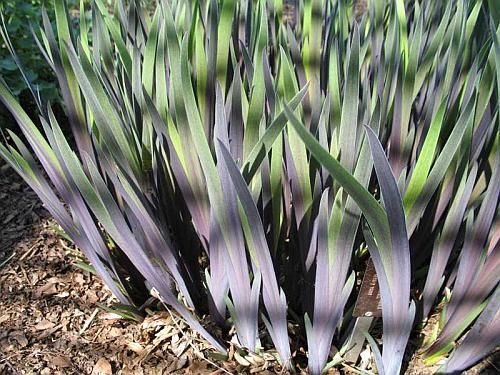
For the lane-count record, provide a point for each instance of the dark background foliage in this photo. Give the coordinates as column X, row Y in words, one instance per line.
column 18, row 16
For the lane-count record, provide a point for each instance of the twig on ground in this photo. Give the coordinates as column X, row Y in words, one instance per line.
column 195, row 350
column 29, row 253
column 89, row 321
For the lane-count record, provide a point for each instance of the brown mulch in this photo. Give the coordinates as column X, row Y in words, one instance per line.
column 20, row 209
column 51, row 321
column 51, row 315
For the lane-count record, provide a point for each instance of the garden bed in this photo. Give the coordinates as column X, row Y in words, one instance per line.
column 51, row 321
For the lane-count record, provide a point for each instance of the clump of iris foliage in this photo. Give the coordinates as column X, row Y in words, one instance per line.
column 245, row 159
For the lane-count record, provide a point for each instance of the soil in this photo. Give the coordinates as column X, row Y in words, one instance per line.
column 52, row 319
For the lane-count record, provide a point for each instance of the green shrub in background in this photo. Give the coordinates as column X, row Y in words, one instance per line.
column 18, row 16
column 245, row 158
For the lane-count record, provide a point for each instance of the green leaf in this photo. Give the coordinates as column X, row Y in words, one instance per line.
column 424, row 161
column 371, row 209
column 349, row 119
column 223, row 39
column 440, row 166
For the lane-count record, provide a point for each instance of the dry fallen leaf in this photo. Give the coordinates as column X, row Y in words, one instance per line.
column 197, row 367
column 61, row 361
column 254, row 359
column 165, row 333
column 48, row 332
column 242, row 361
column 102, row 367
column 20, row 338
column 365, row 358
column 135, row 347
column 43, row 325
column 180, row 348
column 79, row 279
column 176, row 364
column 47, row 289
column 115, row 332
column 109, row 316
